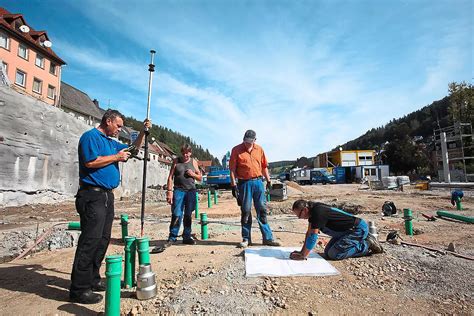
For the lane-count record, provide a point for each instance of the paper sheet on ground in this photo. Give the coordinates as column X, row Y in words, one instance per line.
column 275, row 261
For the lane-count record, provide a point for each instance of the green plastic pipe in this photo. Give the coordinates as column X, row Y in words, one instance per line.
column 196, row 213
column 407, row 215
column 458, row 204
column 124, row 224
column 215, row 197
column 466, row 219
column 209, row 202
column 113, row 272
column 129, row 271
column 74, row 226
column 143, row 248
column 204, row 235
column 268, row 197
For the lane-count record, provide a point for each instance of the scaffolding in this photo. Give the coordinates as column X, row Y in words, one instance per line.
column 460, row 148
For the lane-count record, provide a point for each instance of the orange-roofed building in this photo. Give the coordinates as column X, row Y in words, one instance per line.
column 28, row 61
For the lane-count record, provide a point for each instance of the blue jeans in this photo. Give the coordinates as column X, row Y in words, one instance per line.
column 347, row 244
column 253, row 190
column 183, row 202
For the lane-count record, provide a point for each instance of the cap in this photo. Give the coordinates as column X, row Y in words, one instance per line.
column 250, row 136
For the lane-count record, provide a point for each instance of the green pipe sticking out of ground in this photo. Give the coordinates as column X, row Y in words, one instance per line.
column 462, row 218
column 143, row 248
column 74, row 226
column 113, row 272
column 209, row 201
column 129, row 275
column 196, row 214
column 124, row 224
column 204, row 234
column 408, row 216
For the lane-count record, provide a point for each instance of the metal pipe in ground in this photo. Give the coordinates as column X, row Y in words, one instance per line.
column 129, row 271
column 204, row 233
column 113, row 273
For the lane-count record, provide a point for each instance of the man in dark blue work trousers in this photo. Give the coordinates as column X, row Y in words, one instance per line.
column 350, row 234
column 99, row 174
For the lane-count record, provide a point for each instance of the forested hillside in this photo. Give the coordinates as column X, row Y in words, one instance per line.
column 173, row 139
column 457, row 107
column 406, row 144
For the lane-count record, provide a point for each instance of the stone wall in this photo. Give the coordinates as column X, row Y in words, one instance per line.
column 38, row 154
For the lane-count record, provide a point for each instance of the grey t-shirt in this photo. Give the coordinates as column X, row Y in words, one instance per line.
column 181, row 180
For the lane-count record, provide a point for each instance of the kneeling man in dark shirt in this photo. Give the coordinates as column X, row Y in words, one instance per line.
column 350, row 234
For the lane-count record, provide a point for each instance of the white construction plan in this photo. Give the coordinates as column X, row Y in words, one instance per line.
column 276, row 262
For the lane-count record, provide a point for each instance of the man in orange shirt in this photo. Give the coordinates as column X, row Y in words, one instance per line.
column 248, row 165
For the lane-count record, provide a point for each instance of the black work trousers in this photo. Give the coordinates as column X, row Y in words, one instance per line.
column 96, row 210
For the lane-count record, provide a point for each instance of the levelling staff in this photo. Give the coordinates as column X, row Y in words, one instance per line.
column 350, row 234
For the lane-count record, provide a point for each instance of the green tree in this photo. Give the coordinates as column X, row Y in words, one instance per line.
column 461, row 105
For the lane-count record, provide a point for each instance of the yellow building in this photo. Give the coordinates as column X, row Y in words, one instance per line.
column 349, row 158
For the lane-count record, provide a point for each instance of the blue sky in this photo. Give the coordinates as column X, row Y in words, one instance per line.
column 305, row 75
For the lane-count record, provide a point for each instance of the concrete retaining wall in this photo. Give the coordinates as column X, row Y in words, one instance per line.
column 38, row 154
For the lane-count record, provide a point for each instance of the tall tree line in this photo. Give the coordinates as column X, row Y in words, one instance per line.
column 174, row 140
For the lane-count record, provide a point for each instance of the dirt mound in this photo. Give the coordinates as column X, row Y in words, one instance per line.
column 295, row 185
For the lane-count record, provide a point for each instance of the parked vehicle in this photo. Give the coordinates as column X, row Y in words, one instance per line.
column 321, row 175
column 301, row 176
column 219, row 177
column 285, row 176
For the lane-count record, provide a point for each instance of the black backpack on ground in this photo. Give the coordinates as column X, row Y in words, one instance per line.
column 389, row 209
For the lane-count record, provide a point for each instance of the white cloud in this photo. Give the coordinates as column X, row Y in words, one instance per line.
column 304, row 86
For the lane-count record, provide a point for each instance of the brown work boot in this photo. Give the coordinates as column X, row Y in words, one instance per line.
column 374, row 244
column 272, row 243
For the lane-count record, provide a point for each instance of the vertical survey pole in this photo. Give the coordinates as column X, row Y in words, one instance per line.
column 151, row 69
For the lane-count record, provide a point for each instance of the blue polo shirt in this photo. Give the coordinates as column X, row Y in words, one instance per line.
column 93, row 144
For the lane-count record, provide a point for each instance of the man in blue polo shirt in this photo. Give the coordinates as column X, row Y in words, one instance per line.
column 99, row 174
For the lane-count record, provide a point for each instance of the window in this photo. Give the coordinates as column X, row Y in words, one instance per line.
column 23, row 51
column 5, row 66
column 39, row 61
column 4, row 41
column 51, row 92
column 20, row 78
column 37, row 85
column 52, row 68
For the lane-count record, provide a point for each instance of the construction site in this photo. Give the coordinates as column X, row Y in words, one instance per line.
column 424, row 273
column 102, row 213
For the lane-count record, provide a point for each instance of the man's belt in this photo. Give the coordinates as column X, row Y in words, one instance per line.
column 254, row 178
column 93, row 188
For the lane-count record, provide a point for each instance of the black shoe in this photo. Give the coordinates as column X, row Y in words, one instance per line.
column 86, row 297
column 374, row 244
column 99, row 287
column 189, row 241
